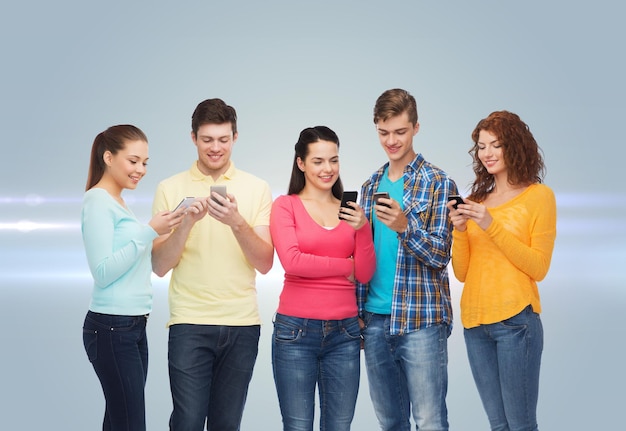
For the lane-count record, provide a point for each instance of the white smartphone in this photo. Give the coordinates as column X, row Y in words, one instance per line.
column 185, row 203
column 220, row 190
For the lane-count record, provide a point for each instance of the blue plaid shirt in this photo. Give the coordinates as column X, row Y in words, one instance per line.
column 421, row 291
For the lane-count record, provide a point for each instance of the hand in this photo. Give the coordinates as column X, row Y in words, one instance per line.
column 471, row 210
column 390, row 214
column 351, row 278
column 354, row 215
column 165, row 221
column 459, row 221
column 224, row 210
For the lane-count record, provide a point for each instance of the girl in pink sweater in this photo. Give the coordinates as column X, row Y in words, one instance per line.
column 323, row 250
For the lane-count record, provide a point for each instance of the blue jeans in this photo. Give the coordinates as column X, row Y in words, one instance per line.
column 505, row 358
column 210, row 368
column 326, row 353
column 407, row 372
column 117, row 348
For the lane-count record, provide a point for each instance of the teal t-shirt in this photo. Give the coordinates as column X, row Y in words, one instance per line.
column 386, row 245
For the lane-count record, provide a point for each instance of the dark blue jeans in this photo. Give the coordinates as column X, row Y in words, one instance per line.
column 117, row 348
column 325, row 353
column 210, row 368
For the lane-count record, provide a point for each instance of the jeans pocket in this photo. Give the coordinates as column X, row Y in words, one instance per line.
column 90, row 341
column 352, row 330
column 286, row 333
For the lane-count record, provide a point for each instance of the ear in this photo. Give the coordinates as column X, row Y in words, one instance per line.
column 416, row 128
column 300, row 164
column 194, row 138
column 235, row 136
column 107, row 157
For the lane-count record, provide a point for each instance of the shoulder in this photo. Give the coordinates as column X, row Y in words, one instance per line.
column 541, row 191
column 251, row 179
column 284, row 201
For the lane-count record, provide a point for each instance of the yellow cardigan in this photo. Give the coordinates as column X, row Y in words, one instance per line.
column 500, row 266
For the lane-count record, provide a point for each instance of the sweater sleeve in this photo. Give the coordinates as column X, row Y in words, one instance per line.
column 460, row 254
column 533, row 259
column 364, row 255
column 293, row 260
column 98, row 225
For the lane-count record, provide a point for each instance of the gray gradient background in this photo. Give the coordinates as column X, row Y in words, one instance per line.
column 69, row 69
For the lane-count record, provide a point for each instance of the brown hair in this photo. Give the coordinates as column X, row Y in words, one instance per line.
column 393, row 103
column 213, row 111
column 522, row 155
column 113, row 139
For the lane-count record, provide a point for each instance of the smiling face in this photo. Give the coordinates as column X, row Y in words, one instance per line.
column 490, row 153
column 215, row 145
column 128, row 165
column 321, row 165
column 396, row 138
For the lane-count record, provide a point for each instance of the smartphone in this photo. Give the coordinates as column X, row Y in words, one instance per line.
column 379, row 195
column 220, row 190
column 457, row 200
column 347, row 197
column 185, row 203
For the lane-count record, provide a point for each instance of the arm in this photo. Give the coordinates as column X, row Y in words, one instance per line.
column 293, row 260
column 98, row 226
column 255, row 242
column 168, row 248
column 533, row 259
column 428, row 233
column 364, row 256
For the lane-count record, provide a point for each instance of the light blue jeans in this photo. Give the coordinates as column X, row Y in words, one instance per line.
column 505, row 358
column 307, row 353
column 407, row 373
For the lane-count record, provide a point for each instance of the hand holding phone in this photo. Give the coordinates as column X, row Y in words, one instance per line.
column 220, row 190
column 185, row 203
column 379, row 195
column 349, row 196
column 457, row 200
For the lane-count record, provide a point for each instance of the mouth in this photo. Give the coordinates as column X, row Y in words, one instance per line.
column 326, row 178
column 135, row 179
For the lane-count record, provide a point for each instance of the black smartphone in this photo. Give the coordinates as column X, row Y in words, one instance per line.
column 457, row 200
column 220, row 190
column 347, row 197
column 185, row 203
column 379, row 195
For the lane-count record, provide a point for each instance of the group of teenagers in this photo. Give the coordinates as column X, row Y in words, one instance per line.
column 368, row 275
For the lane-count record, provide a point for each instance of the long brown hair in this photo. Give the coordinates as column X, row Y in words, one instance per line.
column 522, row 155
column 112, row 139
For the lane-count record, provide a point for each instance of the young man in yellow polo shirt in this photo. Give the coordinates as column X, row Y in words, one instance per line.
column 215, row 252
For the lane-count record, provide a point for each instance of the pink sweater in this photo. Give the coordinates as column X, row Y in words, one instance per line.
column 317, row 262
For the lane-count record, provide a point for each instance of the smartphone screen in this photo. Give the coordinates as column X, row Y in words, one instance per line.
column 457, row 200
column 185, row 202
column 220, row 190
column 346, row 197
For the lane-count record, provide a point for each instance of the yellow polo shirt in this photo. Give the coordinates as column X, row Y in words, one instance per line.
column 213, row 283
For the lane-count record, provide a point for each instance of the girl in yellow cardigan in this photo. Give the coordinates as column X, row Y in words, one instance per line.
column 504, row 235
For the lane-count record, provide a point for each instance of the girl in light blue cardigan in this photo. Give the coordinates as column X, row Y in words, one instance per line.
column 118, row 249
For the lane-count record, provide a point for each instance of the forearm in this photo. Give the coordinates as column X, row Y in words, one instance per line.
column 167, row 250
column 256, row 245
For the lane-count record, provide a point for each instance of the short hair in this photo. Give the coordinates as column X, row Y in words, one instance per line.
column 309, row 136
column 522, row 155
column 213, row 111
column 395, row 102
column 113, row 139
